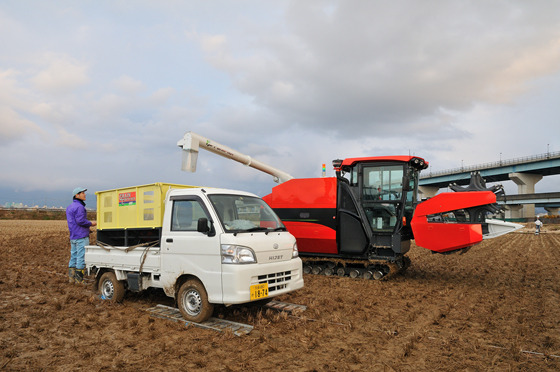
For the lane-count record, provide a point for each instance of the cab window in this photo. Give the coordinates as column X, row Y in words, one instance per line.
column 382, row 183
column 185, row 215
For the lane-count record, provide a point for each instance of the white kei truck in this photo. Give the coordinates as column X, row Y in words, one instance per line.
column 202, row 246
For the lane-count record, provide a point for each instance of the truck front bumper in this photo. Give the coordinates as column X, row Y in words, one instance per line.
column 282, row 277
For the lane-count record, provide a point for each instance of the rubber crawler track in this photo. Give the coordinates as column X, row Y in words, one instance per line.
column 362, row 269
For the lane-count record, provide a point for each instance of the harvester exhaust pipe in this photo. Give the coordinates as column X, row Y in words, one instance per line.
column 192, row 142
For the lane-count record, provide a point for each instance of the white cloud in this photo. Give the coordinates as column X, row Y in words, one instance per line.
column 113, row 105
column 127, row 84
column 213, row 43
column 62, row 75
column 71, row 140
column 10, row 90
column 385, row 64
column 162, row 95
column 532, row 62
column 14, row 127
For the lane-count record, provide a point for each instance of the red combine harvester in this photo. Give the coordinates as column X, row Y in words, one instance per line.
column 360, row 222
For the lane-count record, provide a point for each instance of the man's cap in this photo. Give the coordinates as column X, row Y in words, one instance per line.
column 78, row 190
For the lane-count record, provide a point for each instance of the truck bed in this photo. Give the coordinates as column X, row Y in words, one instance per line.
column 118, row 258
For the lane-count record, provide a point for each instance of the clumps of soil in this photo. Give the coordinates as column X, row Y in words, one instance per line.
column 493, row 308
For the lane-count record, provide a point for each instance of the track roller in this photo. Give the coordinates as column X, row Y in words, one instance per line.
column 316, row 269
column 329, row 268
column 354, row 273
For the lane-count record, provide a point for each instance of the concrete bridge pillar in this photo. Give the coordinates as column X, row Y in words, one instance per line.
column 552, row 211
column 526, row 185
column 525, row 182
column 427, row 192
column 513, row 210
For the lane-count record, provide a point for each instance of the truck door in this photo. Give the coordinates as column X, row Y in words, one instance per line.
column 187, row 251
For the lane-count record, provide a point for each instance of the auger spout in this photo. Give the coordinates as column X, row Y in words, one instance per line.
column 192, row 142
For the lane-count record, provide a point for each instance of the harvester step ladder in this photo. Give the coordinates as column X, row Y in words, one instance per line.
column 172, row 313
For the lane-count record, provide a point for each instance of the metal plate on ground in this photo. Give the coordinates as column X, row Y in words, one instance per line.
column 285, row 306
column 172, row 313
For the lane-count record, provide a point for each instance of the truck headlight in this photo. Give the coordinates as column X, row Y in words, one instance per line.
column 295, row 252
column 237, row 254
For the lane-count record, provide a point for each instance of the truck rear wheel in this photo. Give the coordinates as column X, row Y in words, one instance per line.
column 110, row 288
column 193, row 301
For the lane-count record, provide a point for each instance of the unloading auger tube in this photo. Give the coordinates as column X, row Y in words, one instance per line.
column 192, row 142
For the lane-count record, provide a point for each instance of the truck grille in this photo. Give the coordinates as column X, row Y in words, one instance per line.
column 276, row 281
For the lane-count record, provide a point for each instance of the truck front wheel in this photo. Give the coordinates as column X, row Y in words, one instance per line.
column 193, row 301
column 110, row 288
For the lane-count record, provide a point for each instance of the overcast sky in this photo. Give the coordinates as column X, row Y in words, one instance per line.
column 97, row 93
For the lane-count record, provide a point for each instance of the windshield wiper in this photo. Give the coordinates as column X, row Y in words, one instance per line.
column 257, row 228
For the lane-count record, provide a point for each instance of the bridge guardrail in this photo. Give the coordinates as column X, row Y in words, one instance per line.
column 496, row 164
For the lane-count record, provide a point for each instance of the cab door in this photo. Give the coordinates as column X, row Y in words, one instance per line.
column 351, row 236
column 187, row 251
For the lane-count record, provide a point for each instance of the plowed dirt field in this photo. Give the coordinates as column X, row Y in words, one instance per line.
column 496, row 307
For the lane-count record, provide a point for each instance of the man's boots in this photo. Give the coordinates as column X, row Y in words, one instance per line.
column 80, row 276
column 71, row 275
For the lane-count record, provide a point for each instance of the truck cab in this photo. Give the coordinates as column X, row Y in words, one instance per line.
column 215, row 246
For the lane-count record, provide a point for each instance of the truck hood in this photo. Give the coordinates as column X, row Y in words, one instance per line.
column 272, row 247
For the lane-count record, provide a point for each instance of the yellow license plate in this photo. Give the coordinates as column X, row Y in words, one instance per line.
column 259, row 291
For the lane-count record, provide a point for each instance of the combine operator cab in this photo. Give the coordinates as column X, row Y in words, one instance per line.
column 376, row 203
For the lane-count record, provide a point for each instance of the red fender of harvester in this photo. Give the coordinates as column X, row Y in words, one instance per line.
column 445, row 237
column 307, row 207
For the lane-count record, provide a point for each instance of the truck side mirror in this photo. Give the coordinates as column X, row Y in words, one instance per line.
column 203, row 227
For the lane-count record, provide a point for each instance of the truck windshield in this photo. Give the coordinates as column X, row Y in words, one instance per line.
column 239, row 213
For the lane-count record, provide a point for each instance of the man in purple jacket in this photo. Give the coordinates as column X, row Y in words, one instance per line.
column 78, row 225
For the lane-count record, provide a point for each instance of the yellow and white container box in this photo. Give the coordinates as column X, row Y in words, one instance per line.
column 133, row 207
